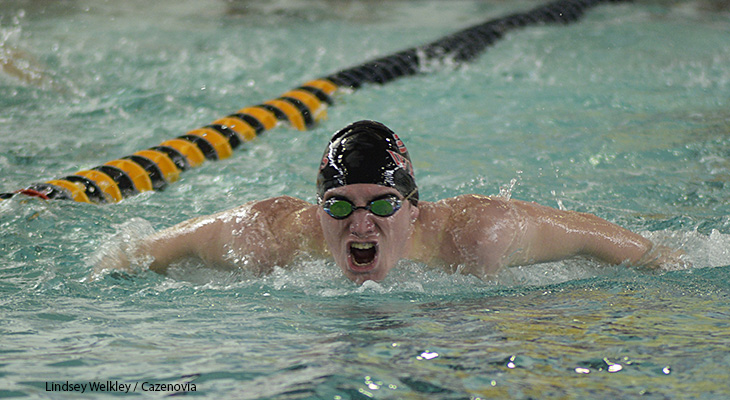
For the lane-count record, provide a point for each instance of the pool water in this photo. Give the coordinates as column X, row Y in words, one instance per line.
column 623, row 114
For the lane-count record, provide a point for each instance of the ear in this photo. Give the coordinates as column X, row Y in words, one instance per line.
column 415, row 211
column 320, row 213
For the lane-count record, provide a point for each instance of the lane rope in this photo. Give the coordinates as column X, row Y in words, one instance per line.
column 302, row 108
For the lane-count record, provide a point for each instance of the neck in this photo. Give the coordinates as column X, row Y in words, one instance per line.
column 311, row 231
column 424, row 242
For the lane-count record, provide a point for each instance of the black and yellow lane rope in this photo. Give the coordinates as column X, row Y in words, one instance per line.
column 301, row 108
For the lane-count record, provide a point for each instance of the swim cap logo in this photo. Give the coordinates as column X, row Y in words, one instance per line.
column 399, row 143
column 402, row 162
column 367, row 152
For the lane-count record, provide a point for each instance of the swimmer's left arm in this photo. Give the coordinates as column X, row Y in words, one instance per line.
column 550, row 234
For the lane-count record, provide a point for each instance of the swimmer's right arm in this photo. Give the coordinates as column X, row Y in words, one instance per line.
column 198, row 238
column 256, row 235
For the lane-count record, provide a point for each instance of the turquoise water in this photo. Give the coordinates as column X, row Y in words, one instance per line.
column 624, row 115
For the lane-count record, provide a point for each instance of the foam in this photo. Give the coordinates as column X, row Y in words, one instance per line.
column 701, row 251
column 121, row 247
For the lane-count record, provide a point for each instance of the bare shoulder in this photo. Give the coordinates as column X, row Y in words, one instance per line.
column 469, row 203
column 481, row 208
column 264, row 233
column 469, row 210
column 467, row 229
column 291, row 223
column 284, row 204
column 463, row 211
column 273, row 211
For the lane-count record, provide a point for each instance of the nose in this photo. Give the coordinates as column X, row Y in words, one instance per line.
column 361, row 223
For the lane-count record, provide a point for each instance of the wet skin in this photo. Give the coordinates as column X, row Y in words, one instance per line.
column 478, row 234
column 364, row 245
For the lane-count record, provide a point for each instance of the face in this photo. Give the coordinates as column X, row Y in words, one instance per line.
column 364, row 245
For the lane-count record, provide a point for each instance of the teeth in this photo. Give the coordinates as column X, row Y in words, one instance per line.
column 363, row 246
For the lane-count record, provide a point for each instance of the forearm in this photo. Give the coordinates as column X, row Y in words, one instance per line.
column 613, row 244
column 158, row 250
column 131, row 255
column 195, row 238
column 558, row 234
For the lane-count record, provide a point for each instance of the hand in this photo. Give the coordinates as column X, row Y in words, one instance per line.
column 121, row 251
column 664, row 257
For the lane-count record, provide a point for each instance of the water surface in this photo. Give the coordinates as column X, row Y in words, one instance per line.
column 623, row 115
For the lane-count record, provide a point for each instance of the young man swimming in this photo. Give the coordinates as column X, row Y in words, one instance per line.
column 369, row 217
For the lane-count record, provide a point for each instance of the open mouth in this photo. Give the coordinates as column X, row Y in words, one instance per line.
column 363, row 254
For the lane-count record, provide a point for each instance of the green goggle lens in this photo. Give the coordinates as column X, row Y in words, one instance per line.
column 382, row 208
column 340, row 208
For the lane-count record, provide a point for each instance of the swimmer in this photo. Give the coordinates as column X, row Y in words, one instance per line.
column 368, row 217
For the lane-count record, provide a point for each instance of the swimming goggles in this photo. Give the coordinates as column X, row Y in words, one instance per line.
column 339, row 208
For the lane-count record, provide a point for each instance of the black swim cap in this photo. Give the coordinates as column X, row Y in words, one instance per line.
column 367, row 152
